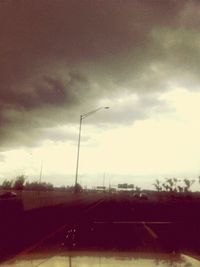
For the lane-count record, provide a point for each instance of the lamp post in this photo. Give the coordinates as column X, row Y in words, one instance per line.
column 83, row 116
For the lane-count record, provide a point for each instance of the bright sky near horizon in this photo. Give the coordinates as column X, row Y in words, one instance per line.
column 60, row 59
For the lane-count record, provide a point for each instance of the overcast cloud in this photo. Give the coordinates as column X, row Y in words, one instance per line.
column 63, row 58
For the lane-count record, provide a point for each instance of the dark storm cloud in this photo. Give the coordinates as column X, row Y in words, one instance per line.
column 60, row 58
column 48, row 91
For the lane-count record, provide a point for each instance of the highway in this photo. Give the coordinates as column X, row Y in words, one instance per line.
column 103, row 223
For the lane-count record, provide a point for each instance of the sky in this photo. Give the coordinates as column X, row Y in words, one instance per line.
column 61, row 59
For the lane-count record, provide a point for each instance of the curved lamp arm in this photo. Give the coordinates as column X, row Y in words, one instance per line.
column 93, row 111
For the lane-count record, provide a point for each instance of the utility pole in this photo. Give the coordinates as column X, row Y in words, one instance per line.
column 79, row 141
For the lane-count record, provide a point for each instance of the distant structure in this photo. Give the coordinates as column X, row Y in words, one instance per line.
column 101, row 188
column 126, row 186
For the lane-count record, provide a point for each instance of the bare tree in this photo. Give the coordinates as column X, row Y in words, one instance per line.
column 158, row 185
column 188, row 184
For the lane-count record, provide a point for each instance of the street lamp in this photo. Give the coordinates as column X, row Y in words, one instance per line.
column 79, row 139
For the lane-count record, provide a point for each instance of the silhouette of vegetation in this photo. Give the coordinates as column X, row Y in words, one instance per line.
column 188, row 184
column 158, row 185
column 36, row 186
column 6, row 184
column 137, row 189
column 19, row 182
column 173, row 185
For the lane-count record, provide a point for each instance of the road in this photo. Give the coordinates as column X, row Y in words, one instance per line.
column 103, row 222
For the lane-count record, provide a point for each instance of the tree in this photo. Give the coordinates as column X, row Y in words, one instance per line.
column 7, row 185
column 158, row 185
column 175, row 184
column 165, row 186
column 180, row 189
column 137, row 189
column 19, row 182
column 171, row 184
column 188, row 184
column 36, row 186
